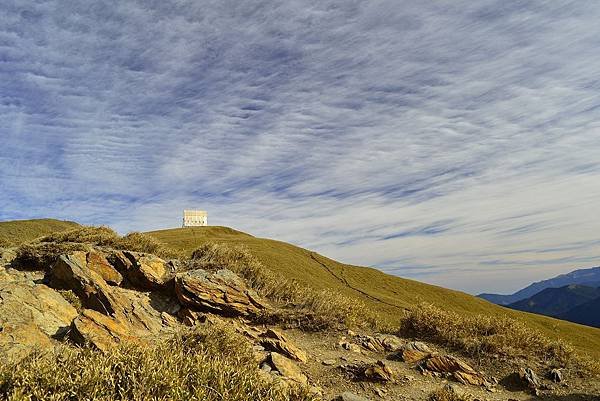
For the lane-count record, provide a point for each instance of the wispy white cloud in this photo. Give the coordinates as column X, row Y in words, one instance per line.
column 454, row 142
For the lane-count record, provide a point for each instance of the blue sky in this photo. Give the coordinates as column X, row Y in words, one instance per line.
column 455, row 142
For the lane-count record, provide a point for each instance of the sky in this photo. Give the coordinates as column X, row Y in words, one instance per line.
column 453, row 142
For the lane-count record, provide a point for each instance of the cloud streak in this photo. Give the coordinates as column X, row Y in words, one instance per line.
column 453, row 142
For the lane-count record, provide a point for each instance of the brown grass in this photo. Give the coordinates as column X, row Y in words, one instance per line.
column 485, row 335
column 302, row 306
column 208, row 364
column 41, row 256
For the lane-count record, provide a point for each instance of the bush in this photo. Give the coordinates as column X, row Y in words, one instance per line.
column 41, row 256
column 476, row 335
column 102, row 236
column 140, row 242
column 207, row 364
column 302, row 306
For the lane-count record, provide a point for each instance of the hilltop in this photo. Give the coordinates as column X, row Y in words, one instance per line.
column 389, row 295
column 16, row 232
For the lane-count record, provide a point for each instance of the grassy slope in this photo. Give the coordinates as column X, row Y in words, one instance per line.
column 19, row 231
column 389, row 294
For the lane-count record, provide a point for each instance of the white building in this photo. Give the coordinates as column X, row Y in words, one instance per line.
column 195, row 218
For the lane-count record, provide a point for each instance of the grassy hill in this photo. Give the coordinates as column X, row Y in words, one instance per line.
column 16, row 232
column 389, row 294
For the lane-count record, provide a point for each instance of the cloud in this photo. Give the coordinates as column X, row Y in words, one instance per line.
column 453, row 142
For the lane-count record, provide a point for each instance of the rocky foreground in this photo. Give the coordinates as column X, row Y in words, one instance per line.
column 101, row 297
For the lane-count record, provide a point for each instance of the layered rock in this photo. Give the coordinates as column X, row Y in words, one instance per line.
column 455, row 367
column 144, row 271
column 221, row 292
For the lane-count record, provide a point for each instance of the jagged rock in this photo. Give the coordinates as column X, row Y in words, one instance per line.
column 191, row 317
column 376, row 372
column 390, row 342
column 556, row 375
column 24, row 302
column 412, row 352
column 98, row 263
column 329, row 362
column 379, row 371
column 348, row 396
column 370, row 343
column 221, row 292
column 101, row 331
column 273, row 340
column 529, row 378
column 350, row 347
column 143, row 270
column 30, row 314
column 287, row 368
column 453, row 366
column 71, row 272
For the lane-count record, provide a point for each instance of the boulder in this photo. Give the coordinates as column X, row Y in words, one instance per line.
column 98, row 263
column 221, row 292
column 453, row 366
column 287, row 368
column 412, row 352
column 390, row 342
column 529, row 378
column 273, row 340
column 71, row 272
column 379, row 372
column 143, row 270
column 101, row 331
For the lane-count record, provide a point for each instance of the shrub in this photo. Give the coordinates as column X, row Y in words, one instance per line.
column 102, row 236
column 41, row 256
column 140, row 242
column 302, row 306
column 480, row 334
column 207, row 364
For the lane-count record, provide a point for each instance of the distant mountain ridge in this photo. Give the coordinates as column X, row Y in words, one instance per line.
column 588, row 277
column 557, row 301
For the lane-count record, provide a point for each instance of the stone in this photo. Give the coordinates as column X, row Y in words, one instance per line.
column 329, row 362
column 413, row 352
column 287, row 368
column 556, row 375
column 350, row 347
column 379, row 372
column 143, row 270
column 390, row 342
column 71, row 272
column 348, row 396
column 101, row 331
column 455, row 367
column 221, row 292
column 30, row 315
column 370, row 343
column 275, row 341
column 529, row 378
column 98, row 263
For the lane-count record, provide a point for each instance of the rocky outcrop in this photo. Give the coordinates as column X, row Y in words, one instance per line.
column 287, row 368
column 101, row 331
column 221, row 292
column 379, row 371
column 529, row 378
column 460, row 370
column 30, row 315
column 273, row 340
column 412, row 352
column 143, row 271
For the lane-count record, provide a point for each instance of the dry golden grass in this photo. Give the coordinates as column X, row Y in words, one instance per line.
column 14, row 233
column 41, row 255
column 208, row 364
column 302, row 306
column 484, row 335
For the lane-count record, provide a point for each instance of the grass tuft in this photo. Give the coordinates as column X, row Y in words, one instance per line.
column 484, row 335
column 302, row 306
column 447, row 393
column 207, row 364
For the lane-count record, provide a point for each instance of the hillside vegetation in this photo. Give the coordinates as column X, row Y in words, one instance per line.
column 14, row 233
column 392, row 297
